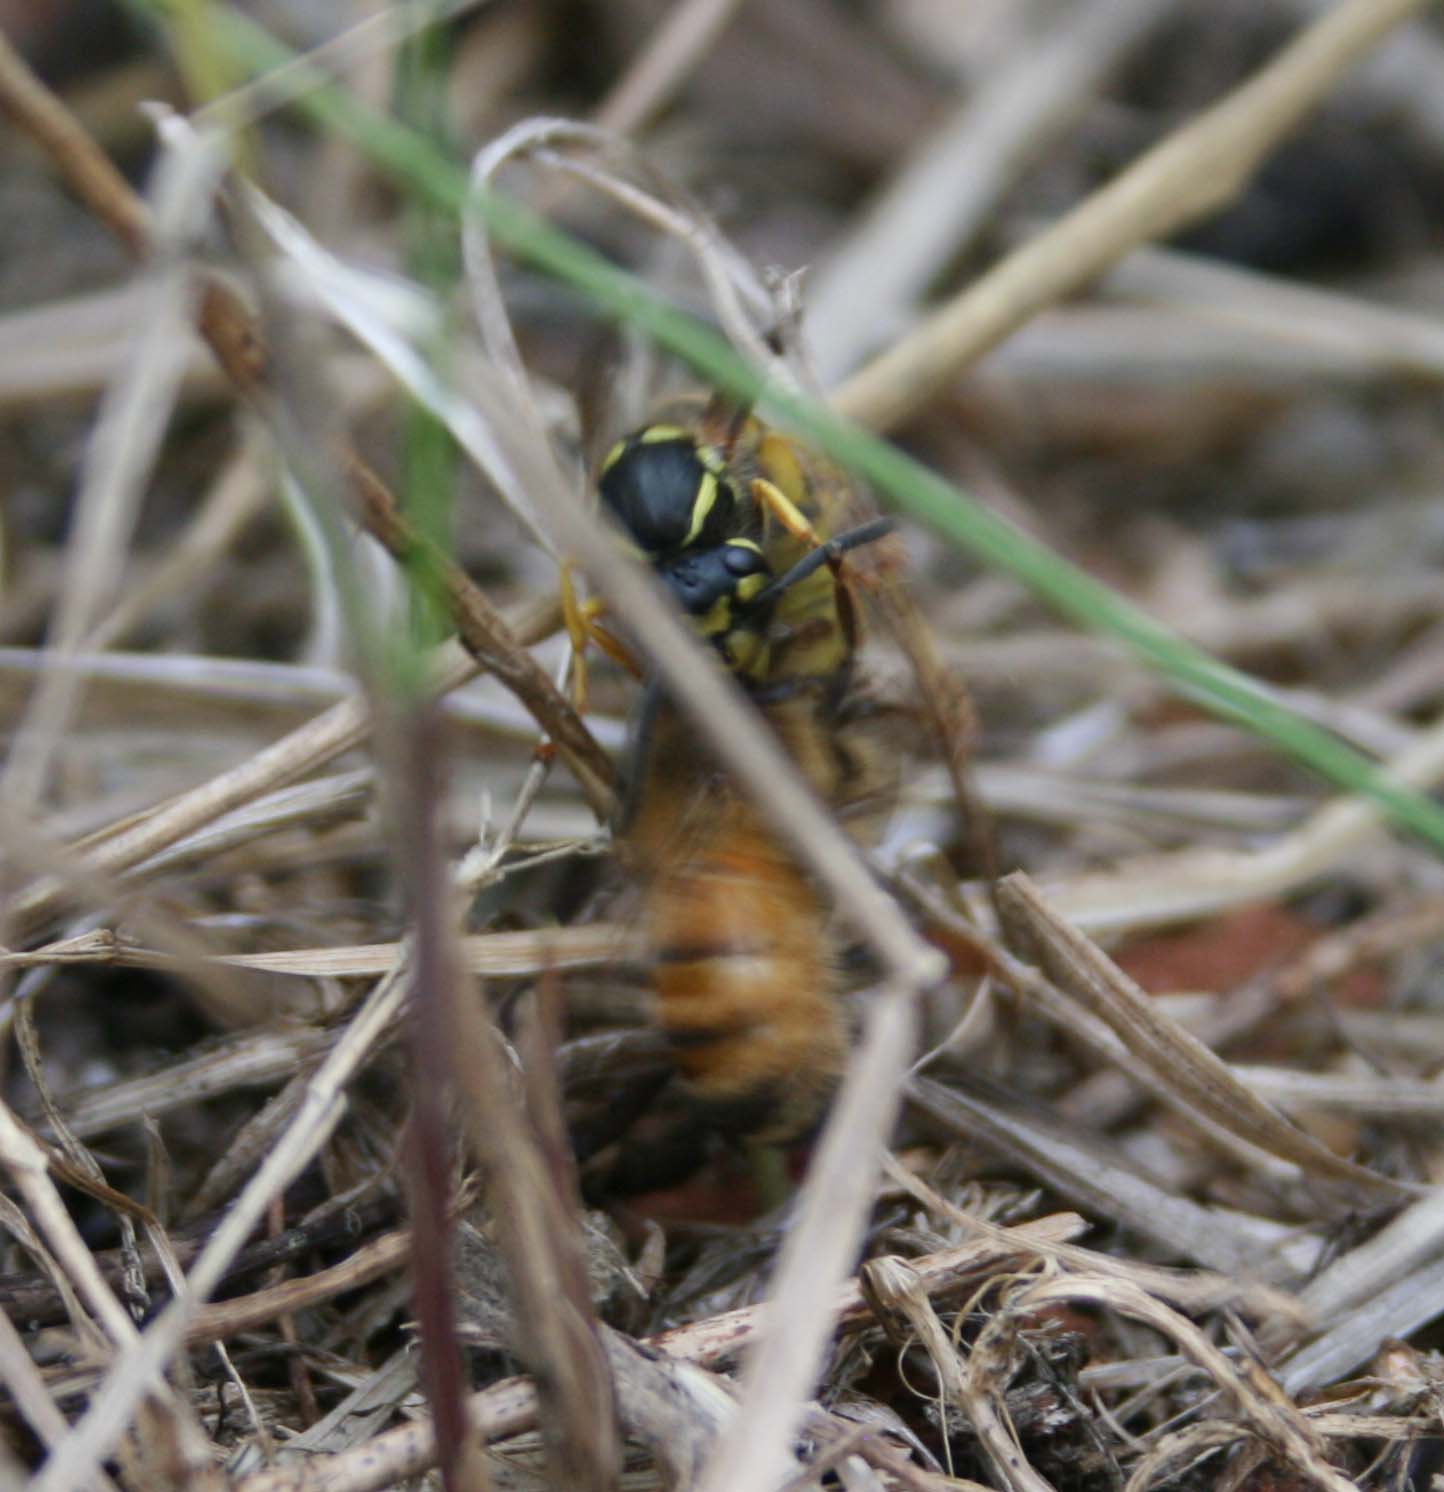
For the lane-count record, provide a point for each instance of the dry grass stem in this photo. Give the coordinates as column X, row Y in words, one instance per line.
column 32, row 1398
column 123, row 448
column 136, row 1367
column 1091, row 1174
column 1196, row 170
column 487, row 637
column 820, row 1247
column 1191, row 1291
column 311, row 746
column 1196, row 882
column 940, row 200
column 1401, row 1305
column 531, row 1187
column 509, row 1408
column 1393, row 343
column 678, row 45
column 1197, row 1077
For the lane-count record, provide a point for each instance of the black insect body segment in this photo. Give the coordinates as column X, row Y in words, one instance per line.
column 671, row 493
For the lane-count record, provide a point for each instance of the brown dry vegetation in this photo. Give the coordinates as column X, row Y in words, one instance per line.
column 310, row 987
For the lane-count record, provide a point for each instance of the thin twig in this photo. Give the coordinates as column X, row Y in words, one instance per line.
column 485, row 633
column 81, row 162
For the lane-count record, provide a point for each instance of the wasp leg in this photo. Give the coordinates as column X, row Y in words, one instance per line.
column 585, row 631
column 610, row 1126
column 579, row 630
column 771, row 497
column 828, row 552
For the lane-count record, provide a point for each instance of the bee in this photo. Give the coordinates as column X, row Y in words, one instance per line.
column 732, row 515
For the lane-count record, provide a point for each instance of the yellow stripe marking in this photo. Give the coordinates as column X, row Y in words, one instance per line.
column 702, row 505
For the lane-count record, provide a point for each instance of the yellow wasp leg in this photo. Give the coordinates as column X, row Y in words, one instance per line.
column 578, row 618
column 585, row 631
column 770, row 496
column 610, row 643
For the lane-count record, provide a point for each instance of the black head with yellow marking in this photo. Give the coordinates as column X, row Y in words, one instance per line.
column 711, row 584
column 671, row 492
column 719, row 589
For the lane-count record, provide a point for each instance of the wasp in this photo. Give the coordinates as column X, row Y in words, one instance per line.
column 734, row 518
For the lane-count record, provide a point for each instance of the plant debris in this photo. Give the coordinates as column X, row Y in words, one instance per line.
column 341, row 1144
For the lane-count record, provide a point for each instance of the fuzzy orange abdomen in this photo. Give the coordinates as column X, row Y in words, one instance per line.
column 744, row 979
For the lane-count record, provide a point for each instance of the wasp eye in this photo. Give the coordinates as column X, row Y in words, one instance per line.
column 663, row 495
column 743, row 558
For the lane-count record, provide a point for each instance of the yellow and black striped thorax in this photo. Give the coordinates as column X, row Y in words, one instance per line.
column 672, row 492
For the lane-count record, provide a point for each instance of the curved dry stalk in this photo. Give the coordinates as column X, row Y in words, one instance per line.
column 746, row 310
column 1178, row 1452
column 977, row 1389
column 1197, row 169
column 1188, row 1290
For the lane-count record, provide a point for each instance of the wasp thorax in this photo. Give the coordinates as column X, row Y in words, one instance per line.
column 668, row 492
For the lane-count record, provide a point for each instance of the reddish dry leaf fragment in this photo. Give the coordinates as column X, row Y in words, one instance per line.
column 1220, row 954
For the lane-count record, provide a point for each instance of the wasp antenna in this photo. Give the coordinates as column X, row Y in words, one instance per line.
column 829, row 552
